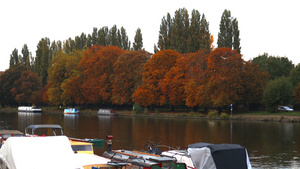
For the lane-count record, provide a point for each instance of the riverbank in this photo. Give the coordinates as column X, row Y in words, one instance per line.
column 250, row 116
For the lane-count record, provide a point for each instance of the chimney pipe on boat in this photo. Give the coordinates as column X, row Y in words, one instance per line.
column 109, row 142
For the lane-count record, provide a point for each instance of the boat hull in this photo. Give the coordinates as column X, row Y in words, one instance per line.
column 29, row 109
column 107, row 112
column 71, row 111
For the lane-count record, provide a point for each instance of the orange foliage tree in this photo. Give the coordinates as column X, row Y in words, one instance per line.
column 225, row 86
column 197, row 76
column 150, row 92
column 128, row 70
column 25, row 87
column 97, row 66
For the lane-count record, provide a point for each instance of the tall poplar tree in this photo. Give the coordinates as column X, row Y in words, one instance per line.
column 138, row 40
column 112, row 38
column 42, row 60
column 14, row 58
column 124, row 39
column 25, row 58
column 94, row 36
column 165, row 33
column 236, row 35
column 103, row 36
column 204, row 34
column 194, row 31
column 225, row 34
column 180, row 30
column 229, row 32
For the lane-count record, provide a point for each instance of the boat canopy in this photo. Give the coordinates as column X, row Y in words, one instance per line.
column 220, row 156
column 54, row 127
column 38, row 152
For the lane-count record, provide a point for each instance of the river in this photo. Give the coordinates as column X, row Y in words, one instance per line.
column 269, row 144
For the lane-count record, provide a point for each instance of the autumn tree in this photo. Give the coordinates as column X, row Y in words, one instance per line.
column 149, row 92
column 254, row 81
column 172, row 86
column 64, row 67
column 25, row 86
column 138, row 40
column 225, row 72
column 128, row 70
column 7, row 83
column 97, row 66
column 197, row 77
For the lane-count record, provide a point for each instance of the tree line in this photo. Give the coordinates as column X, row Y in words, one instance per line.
column 103, row 68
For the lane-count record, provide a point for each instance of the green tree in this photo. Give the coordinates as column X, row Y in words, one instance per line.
column 25, row 58
column 124, row 39
column 180, row 30
column 14, row 58
column 112, row 37
column 94, row 36
column 225, row 34
column 294, row 76
column 229, row 32
column 165, row 33
column 138, row 40
column 236, row 35
column 278, row 92
column 42, row 60
column 204, row 34
column 103, row 36
column 275, row 66
column 194, row 30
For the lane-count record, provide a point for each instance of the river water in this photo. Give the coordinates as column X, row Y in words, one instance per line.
column 269, row 144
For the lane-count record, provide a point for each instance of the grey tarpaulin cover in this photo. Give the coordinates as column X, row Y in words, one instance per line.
column 220, row 156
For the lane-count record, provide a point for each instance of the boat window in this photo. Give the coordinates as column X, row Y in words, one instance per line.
column 82, row 148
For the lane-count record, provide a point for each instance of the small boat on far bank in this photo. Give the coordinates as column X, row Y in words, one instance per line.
column 107, row 112
column 30, row 109
column 71, row 111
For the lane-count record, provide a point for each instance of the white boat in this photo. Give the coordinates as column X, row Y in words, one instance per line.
column 71, row 111
column 107, row 112
column 47, row 153
column 32, row 109
column 206, row 155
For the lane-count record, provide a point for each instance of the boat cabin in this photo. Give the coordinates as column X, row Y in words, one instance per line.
column 43, row 130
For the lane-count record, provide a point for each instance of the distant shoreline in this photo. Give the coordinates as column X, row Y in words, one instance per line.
column 183, row 115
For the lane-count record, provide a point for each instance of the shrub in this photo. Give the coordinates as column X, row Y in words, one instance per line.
column 213, row 114
column 224, row 116
column 137, row 108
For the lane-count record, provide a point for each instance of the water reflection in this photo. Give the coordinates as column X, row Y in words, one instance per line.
column 269, row 144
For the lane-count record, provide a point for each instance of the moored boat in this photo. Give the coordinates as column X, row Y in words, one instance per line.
column 206, row 155
column 141, row 159
column 71, row 111
column 30, row 109
column 54, row 130
column 107, row 112
column 47, row 153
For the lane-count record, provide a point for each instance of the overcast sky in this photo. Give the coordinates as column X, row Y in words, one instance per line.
column 265, row 26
